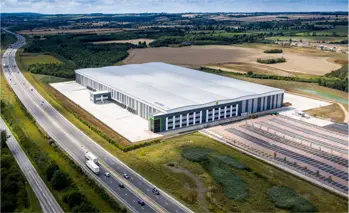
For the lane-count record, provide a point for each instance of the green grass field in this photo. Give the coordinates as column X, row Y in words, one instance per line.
column 259, row 179
column 47, row 79
column 339, row 30
column 29, row 59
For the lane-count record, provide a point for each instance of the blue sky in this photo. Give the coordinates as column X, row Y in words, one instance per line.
column 171, row 6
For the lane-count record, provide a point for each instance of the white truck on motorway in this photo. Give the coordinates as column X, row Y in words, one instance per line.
column 94, row 167
column 91, row 157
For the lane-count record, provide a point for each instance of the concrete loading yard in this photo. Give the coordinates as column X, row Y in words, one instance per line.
column 315, row 153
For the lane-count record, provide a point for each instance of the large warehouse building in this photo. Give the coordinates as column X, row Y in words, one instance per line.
column 173, row 97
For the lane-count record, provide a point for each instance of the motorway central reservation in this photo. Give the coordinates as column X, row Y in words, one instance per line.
column 173, row 97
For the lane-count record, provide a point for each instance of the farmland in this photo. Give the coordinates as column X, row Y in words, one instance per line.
column 217, row 55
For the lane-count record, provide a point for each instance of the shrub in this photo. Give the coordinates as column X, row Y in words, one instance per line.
column 4, row 137
column 73, row 199
column 220, row 168
column 271, row 60
column 287, row 198
column 230, row 161
column 234, row 187
column 60, row 180
column 50, row 171
column 274, row 51
column 195, row 154
column 84, row 207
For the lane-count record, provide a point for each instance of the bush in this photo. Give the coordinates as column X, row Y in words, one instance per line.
column 287, row 198
column 60, row 180
column 230, row 161
column 234, row 187
column 50, row 171
column 73, row 199
column 274, row 51
column 195, row 154
column 4, row 137
column 84, row 207
column 271, row 60
column 220, row 168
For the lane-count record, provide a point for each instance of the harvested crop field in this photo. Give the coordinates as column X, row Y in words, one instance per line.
column 218, row 55
column 132, row 41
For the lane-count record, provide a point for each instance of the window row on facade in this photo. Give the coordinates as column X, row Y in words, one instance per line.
column 183, row 120
column 221, row 112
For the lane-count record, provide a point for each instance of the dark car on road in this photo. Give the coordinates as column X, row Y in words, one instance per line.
column 141, row 202
column 155, row 191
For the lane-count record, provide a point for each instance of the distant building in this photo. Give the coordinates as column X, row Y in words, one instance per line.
column 173, row 97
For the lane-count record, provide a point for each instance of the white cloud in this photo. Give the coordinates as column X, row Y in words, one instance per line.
column 140, row 6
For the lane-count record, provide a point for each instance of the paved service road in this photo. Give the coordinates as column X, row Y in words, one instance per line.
column 47, row 201
column 76, row 144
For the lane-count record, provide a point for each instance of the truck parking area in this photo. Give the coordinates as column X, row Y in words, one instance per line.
column 306, row 149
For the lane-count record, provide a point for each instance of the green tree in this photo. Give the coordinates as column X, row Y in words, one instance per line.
column 73, row 199
column 2, row 105
column 84, row 207
column 4, row 137
column 60, row 180
column 50, row 171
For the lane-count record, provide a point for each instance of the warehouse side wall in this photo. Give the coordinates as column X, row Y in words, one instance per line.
column 131, row 104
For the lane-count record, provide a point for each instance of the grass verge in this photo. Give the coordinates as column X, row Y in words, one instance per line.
column 332, row 112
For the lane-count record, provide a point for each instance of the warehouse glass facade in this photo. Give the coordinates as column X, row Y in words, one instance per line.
column 214, row 113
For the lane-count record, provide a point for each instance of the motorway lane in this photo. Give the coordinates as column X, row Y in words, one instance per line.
column 30, row 102
column 50, row 119
column 47, row 202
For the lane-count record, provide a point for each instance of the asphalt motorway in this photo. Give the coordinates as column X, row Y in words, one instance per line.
column 47, row 202
column 76, row 144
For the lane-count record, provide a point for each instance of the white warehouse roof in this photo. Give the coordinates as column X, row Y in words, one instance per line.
column 168, row 87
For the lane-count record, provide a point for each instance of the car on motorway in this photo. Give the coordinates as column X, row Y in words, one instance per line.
column 107, row 174
column 155, row 191
column 141, row 202
column 126, row 176
column 121, row 185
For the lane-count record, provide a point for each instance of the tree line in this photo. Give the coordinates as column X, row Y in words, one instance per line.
column 331, row 80
column 205, row 39
column 13, row 193
column 76, row 54
column 271, row 60
column 337, row 79
column 273, row 51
